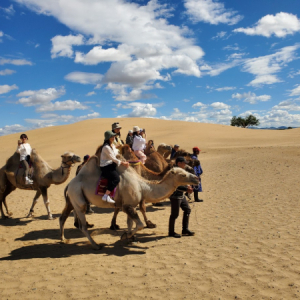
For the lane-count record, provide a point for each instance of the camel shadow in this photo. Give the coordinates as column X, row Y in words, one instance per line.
column 99, row 210
column 60, row 250
column 10, row 222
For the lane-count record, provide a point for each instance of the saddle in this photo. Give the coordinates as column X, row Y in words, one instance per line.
column 102, row 187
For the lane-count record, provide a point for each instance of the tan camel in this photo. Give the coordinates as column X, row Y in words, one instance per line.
column 155, row 161
column 164, row 150
column 11, row 177
column 131, row 191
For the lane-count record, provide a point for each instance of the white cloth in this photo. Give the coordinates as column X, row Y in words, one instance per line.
column 108, row 156
column 139, row 143
column 24, row 150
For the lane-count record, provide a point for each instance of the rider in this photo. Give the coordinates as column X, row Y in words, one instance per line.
column 116, row 128
column 139, row 144
column 25, row 151
column 109, row 163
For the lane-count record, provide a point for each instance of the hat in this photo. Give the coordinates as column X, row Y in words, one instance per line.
column 175, row 146
column 86, row 157
column 196, row 149
column 115, row 126
column 130, row 131
column 136, row 129
column 108, row 134
column 181, row 159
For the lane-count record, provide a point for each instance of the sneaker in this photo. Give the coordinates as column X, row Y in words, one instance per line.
column 187, row 232
column 175, row 235
column 107, row 199
column 28, row 181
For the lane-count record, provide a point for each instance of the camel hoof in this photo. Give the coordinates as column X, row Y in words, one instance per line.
column 124, row 236
column 10, row 214
column 76, row 224
column 133, row 239
column 30, row 215
column 96, row 247
column 51, row 218
column 88, row 225
column 114, row 227
column 149, row 224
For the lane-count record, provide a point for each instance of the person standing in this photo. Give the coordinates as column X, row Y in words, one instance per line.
column 25, row 151
column 139, row 144
column 198, row 171
column 109, row 163
column 178, row 200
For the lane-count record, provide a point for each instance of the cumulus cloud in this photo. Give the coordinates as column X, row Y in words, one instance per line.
column 289, row 105
column 7, row 72
column 265, row 67
column 62, row 45
column 295, row 91
column 62, row 105
column 10, row 129
column 90, row 94
column 280, row 25
column 198, row 104
column 220, row 105
column 7, row 88
column 16, row 62
column 251, row 97
column 226, row 88
column 140, row 110
column 43, row 96
column 84, row 78
column 211, row 11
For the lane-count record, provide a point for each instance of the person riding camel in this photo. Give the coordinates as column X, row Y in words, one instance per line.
column 25, row 151
column 116, row 128
column 109, row 163
column 139, row 144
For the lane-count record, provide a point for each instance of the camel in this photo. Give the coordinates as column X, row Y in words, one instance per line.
column 155, row 161
column 131, row 191
column 11, row 177
column 164, row 150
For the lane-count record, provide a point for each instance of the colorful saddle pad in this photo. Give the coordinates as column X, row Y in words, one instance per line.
column 102, row 187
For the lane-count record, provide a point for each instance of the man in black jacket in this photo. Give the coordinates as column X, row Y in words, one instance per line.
column 178, row 200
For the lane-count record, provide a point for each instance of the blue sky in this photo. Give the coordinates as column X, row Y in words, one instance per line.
column 63, row 61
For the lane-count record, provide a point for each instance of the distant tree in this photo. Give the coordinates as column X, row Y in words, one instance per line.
column 250, row 120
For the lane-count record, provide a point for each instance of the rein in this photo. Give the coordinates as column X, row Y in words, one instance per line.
column 67, row 165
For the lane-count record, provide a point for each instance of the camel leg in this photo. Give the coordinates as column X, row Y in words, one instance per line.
column 64, row 215
column 132, row 214
column 46, row 202
column 8, row 189
column 35, row 199
column 114, row 225
column 149, row 224
column 77, row 222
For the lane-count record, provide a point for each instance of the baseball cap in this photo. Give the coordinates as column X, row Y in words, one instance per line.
column 181, row 159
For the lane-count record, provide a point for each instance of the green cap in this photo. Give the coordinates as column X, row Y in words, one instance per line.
column 108, row 134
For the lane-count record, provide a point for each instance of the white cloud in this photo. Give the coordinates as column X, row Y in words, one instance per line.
column 295, row 91
column 10, row 129
column 251, row 97
column 84, row 78
column 278, row 117
column 7, row 88
column 265, row 67
column 90, row 94
column 62, row 45
column 226, row 88
column 16, row 62
column 31, row 98
column 220, row 106
column 211, row 11
column 221, row 35
column 9, row 10
column 289, row 105
column 279, row 25
column 7, row 72
column 63, row 105
column 140, row 110
column 198, row 104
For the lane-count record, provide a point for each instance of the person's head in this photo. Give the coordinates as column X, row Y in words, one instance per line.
column 23, row 138
column 136, row 130
column 196, row 150
column 116, row 127
column 130, row 132
column 86, row 158
column 109, row 137
column 180, row 162
column 176, row 147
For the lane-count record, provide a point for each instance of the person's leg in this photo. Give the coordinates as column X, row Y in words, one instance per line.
column 175, row 204
column 26, row 171
column 186, row 216
column 110, row 173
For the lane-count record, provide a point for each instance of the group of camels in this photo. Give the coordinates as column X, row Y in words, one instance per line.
column 152, row 182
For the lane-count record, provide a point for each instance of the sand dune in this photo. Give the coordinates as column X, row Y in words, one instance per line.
column 247, row 229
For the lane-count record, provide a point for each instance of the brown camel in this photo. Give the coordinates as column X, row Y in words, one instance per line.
column 164, row 150
column 155, row 161
column 131, row 191
column 11, row 177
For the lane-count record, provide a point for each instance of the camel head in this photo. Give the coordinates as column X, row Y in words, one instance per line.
column 127, row 153
column 182, row 177
column 69, row 158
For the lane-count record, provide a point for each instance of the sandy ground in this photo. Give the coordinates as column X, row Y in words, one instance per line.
column 247, row 229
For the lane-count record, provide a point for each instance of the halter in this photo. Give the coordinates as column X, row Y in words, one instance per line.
column 134, row 163
column 67, row 165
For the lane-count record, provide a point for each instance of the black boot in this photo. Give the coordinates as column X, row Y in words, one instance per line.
column 196, row 197
column 172, row 233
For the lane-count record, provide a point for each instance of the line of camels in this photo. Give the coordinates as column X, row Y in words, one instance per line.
column 139, row 184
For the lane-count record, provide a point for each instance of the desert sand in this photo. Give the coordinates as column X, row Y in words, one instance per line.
column 246, row 245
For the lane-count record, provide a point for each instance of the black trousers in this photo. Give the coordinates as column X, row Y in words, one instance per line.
column 175, row 205
column 110, row 173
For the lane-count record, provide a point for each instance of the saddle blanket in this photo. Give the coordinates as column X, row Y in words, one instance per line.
column 102, row 187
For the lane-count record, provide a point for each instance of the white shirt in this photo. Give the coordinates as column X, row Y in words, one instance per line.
column 139, row 143
column 24, row 150
column 108, row 156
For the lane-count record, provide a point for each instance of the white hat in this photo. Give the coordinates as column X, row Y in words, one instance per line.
column 130, row 131
column 136, row 128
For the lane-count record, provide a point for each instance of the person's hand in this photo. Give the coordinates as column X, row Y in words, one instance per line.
column 125, row 164
column 189, row 189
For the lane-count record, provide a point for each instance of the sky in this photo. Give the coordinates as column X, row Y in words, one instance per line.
column 64, row 61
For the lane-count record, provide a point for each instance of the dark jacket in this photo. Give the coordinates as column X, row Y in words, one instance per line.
column 129, row 140
column 178, row 194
